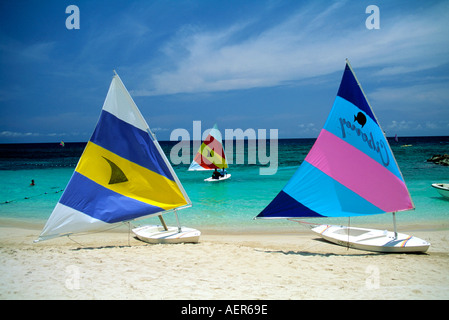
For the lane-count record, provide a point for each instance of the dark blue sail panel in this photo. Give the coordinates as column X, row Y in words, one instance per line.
column 284, row 206
column 351, row 91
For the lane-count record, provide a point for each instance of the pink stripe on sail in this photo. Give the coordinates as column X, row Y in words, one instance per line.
column 358, row 172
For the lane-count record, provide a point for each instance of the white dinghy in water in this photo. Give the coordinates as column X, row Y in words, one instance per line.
column 442, row 188
column 211, row 156
column 350, row 171
column 221, row 178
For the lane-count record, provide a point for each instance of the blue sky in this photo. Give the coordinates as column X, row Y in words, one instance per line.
column 241, row 64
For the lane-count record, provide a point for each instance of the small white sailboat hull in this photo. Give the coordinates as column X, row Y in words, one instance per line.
column 225, row 177
column 442, row 188
column 371, row 239
column 157, row 234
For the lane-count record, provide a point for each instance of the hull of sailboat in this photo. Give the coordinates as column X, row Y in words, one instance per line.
column 225, row 177
column 442, row 188
column 372, row 239
column 156, row 234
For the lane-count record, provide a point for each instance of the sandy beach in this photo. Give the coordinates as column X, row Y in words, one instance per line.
column 283, row 266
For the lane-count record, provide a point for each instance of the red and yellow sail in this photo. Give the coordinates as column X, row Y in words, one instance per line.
column 211, row 153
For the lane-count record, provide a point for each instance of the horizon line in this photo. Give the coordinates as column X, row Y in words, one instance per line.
column 314, row 138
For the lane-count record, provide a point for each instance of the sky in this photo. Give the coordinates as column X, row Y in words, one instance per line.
column 248, row 64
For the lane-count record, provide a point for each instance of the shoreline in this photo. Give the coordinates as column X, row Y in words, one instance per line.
column 272, row 265
column 248, row 228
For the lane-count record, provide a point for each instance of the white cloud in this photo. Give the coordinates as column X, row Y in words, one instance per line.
column 417, row 127
column 401, row 125
column 303, row 46
column 159, row 129
column 307, row 129
column 418, row 95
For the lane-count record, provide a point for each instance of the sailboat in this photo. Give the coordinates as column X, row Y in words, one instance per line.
column 211, row 156
column 442, row 188
column 122, row 175
column 349, row 171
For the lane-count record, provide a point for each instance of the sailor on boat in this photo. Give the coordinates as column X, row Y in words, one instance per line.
column 216, row 174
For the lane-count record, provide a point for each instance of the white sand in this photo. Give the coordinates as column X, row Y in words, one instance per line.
column 247, row 266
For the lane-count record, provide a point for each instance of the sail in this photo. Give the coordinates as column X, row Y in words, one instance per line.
column 211, row 153
column 349, row 171
column 122, row 174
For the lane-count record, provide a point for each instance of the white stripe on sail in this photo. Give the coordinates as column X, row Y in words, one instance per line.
column 120, row 103
column 65, row 220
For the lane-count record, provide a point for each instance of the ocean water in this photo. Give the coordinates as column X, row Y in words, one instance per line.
column 226, row 206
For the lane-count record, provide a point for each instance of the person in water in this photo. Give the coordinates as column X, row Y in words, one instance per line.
column 32, row 183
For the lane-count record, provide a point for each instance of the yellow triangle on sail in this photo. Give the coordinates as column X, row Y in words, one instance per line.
column 141, row 184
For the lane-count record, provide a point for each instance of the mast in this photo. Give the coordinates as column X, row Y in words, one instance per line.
column 163, row 222
column 394, row 225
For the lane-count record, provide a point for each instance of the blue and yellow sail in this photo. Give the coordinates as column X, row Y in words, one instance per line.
column 122, row 174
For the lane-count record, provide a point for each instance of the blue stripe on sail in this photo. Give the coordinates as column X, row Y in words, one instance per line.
column 351, row 91
column 325, row 196
column 284, row 206
column 367, row 138
column 129, row 142
column 86, row 196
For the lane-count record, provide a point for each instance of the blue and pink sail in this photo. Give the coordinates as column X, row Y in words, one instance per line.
column 350, row 170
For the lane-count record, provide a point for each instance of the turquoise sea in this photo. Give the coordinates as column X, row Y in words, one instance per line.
column 227, row 206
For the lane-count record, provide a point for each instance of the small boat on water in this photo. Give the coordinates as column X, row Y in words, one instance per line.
column 220, row 178
column 211, row 156
column 350, row 171
column 442, row 188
